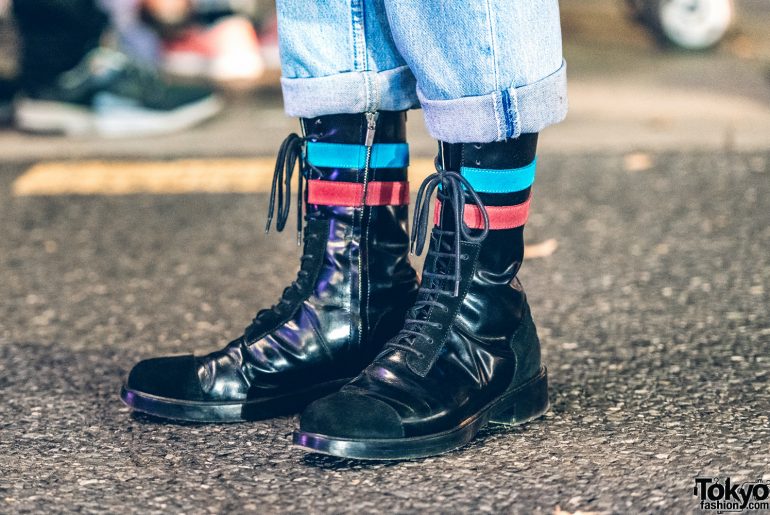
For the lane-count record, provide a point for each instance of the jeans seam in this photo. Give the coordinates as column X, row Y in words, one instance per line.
column 496, row 108
column 358, row 32
column 493, row 46
column 371, row 86
column 376, row 92
column 360, row 55
column 502, row 125
column 367, row 89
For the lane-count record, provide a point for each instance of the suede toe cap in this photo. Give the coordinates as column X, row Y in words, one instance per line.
column 351, row 415
column 174, row 377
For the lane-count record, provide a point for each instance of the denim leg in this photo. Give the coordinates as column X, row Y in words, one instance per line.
column 486, row 70
column 338, row 56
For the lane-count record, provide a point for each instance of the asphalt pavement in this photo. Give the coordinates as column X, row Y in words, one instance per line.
column 653, row 312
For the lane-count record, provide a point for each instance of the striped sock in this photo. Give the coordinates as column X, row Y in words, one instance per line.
column 502, row 174
column 332, row 191
column 336, row 162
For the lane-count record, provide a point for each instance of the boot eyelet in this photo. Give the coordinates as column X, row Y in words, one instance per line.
column 478, row 162
column 477, row 146
column 420, row 355
column 464, row 257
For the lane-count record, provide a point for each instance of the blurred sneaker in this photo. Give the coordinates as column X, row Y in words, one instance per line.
column 110, row 95
column 226, row 51
column 8, row 88
column 269, row 43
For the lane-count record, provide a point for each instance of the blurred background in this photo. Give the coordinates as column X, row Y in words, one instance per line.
column 644, row 74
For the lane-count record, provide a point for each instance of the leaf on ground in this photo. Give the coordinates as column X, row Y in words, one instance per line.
column 540, row 250
column 559, row 511
column 637, row 162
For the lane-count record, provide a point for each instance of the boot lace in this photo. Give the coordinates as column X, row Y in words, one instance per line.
column 452, row 190
column 291, row 155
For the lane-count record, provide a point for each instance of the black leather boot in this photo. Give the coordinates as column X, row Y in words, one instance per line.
column 468, row 353
column 350, row 296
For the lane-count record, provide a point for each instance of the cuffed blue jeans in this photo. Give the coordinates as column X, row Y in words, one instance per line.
column 482, row 70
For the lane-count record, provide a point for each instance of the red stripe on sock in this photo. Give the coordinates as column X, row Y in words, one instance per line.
column 379, row 193
column 500, row 217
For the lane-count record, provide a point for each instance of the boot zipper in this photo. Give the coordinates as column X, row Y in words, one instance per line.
column 371, row 129
column 302, row 172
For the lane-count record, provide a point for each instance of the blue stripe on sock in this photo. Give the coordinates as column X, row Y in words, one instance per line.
column 500, row 181
column 342, row 155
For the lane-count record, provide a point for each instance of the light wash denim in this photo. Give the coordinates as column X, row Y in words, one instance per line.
column 482, row 70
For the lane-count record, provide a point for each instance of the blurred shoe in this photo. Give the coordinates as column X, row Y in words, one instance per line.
column 110, row 95
column 226, row 51
column 8, row 88
column 269, row 43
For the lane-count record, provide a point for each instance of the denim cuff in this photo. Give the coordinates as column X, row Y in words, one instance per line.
column 350, row 92
column 499, row 115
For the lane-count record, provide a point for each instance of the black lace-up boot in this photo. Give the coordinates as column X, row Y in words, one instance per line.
column 354, row 284
column 468, row 353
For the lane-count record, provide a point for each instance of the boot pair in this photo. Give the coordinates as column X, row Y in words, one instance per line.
column 383, row 367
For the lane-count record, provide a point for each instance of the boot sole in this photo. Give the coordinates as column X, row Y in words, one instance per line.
column 515, row 407
column 208, row 412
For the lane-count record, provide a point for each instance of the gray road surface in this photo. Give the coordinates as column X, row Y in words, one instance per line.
column 653, row 313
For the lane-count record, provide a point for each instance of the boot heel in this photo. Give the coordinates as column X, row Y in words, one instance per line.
column 527, row 402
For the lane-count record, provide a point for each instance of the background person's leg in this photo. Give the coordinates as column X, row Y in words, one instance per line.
column 136, row 38
column 71, row 85
column 55, row 36
column 486, row 71
column 338, row 57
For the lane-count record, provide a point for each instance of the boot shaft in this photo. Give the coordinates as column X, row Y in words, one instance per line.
column 480, row 266
column 360, row 287
column 482, row 163
column 469, row 347
column 354, row 284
